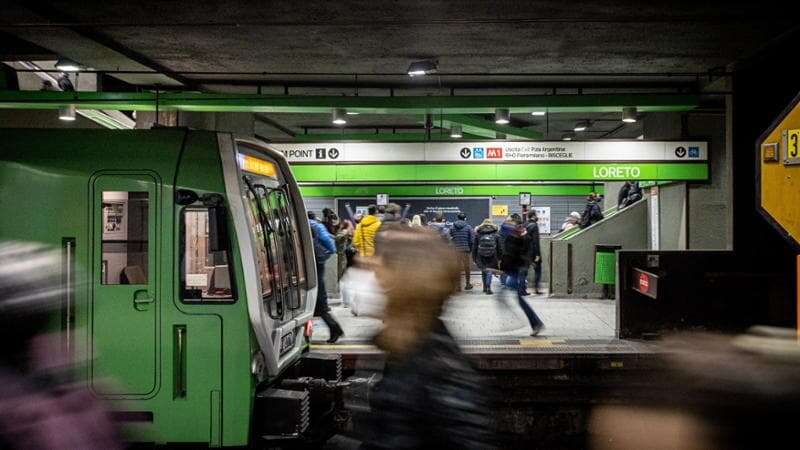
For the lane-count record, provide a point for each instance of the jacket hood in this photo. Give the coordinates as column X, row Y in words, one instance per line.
column 508, row 228
column 486, row 228
column 369, row 221
column 459, row 224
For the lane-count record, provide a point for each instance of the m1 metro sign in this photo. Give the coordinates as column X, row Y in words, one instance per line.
column 494, row 152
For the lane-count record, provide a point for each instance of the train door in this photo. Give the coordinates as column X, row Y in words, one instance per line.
column 124, row 273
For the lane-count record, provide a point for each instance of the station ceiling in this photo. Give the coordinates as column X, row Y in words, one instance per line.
column 363, row 48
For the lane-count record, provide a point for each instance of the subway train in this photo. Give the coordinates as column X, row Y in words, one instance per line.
column 190, row 281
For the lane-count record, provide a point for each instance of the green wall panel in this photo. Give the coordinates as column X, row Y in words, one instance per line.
column 456, row 172
column 433, row 190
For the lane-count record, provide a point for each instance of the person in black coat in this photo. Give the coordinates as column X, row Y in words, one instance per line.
column 622, row 195
column 487, row 251
column 533, row 253
column 592, row 213
column 514, row 266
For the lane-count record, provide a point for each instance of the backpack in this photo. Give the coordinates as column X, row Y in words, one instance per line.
column 487, row 245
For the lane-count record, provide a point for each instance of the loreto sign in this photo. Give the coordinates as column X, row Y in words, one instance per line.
column 494, row 151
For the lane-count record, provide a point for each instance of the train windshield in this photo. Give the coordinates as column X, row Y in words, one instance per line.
column 274, row 223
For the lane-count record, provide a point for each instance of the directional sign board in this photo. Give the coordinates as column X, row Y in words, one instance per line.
column 778, row 183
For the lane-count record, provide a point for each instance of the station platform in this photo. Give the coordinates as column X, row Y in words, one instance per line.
column 494, row 332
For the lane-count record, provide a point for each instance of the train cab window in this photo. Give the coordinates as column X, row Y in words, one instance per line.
column 205, row 272
column 124, row 237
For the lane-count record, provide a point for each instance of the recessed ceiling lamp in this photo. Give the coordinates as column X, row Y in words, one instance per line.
column 583, row 125
column 67, row 113
column 67, row 65
column 338, row 117
column 502, row 116
column 420, row 68
column 455, row 132
column 629, row 114
column 353, row 113
column 568, row 136
column 538, row 113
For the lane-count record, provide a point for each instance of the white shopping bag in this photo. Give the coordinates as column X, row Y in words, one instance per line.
column 365, row 295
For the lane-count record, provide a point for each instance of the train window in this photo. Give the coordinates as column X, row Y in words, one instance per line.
column 124, row 237
column 205, row 274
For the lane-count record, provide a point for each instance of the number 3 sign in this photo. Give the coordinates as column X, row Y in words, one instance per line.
column 792, row 155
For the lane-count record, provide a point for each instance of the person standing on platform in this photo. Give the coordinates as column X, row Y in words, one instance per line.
column 439, row 226
column 487, row 251
column 533, row 251
column 324, row 247
column 364, row 236
column 461, row 237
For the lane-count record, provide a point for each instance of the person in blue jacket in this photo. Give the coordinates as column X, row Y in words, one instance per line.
column 324, row 247
column 461, row 237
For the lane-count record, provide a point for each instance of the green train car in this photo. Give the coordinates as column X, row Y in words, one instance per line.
column 190, row 274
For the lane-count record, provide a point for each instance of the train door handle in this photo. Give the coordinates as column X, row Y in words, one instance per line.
column 141, row 299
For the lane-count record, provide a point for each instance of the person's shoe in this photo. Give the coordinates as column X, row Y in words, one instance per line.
column 335, row 337
column 468, row 287
column 488, row 292
column 537, row 292
column 537, row 330
column 525, row 293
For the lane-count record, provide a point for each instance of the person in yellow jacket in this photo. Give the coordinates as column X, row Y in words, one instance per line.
column 364, row 237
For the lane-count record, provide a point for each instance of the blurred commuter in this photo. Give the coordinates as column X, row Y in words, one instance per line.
column 343, row 237
column 513, row 264
column 572, row 221
column 592, row 213
column 533, row 253
column 430, row 396
column 439, row 226
column 634, row 194
column 717, row 392
column 622, row 195
column 330, row 220
column 40, row 406
column 324, row 247
column 461, row 236
column 364, row 236
column 487, row 251
column 416, row 221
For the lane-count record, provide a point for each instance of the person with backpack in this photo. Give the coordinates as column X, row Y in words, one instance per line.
column 461, row 237
column 533, row 253
column 439, row 226
column 592, row 213
column 487, row 251
column 324, row 247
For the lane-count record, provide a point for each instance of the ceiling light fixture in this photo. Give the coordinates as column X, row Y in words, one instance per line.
column 629, row 114
column 353, row 113
column 455, row 132
column 583, row 125
column 538, row 113
column 568, row 136
column 67, row 65
column 420, row 68
column 502, row 116
column 67, row 113
column 338, row 117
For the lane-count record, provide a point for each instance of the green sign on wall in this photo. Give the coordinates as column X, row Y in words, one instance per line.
column 696, row 171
